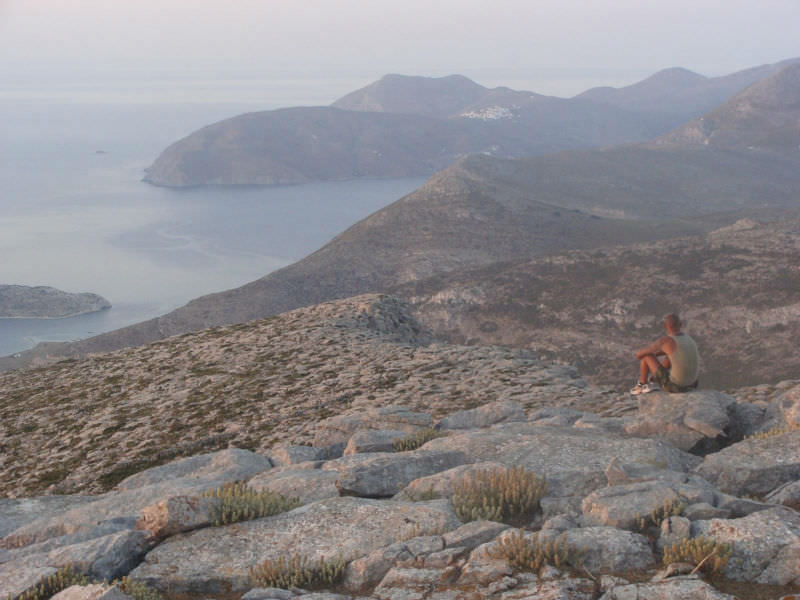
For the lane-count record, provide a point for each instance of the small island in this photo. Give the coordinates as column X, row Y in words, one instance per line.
column 42, row 302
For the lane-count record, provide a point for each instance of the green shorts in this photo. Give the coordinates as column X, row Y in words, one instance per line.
column 662, row 377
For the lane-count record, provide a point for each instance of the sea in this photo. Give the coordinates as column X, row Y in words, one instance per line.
column 75, row 215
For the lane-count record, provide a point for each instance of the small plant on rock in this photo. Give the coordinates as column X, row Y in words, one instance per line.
column 531, row 552
column 138, row 590
column 775, row 431
column 416, row 439
column 705, row 553
column 237, row 502
column 670, row 508
column 52, row 584
column 298, row 571
column 504, row 495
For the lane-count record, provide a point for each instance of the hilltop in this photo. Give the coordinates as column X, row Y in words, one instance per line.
column 410, row 126
column 42, row 302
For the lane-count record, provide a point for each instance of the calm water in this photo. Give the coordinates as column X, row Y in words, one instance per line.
column 74, row 214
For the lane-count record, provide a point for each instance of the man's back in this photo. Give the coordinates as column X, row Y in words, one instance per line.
column 684, row 360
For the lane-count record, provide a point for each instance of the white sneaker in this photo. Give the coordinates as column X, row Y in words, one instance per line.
column 643, row 388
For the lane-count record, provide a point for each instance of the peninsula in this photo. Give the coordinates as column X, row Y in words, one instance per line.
column 42, row 302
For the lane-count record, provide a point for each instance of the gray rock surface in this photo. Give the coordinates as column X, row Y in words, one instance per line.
column 218, row 560
column 91, row 592
column 787, row 494
column 16, row 512
column 380, row 475
column 766, row 545
column 754, row 467
column 378, row 440
column 176, row 515
column 18, row 577
column 483, row 416
column 696, row 421
column 624, row 506
column 572, row 460
column 284, row 455
column 338, row 430
column 296, row 481
column 607, row 549
column 685, row 588
column 440, row 485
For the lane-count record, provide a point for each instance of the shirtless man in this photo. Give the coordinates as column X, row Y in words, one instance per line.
column 677, row 369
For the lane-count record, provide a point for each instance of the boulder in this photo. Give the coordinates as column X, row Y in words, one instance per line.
column 305, row 484
column 91, row 592
column 377, row 440
column 188, row 476
column 766, row 545
column 218, row 560
column 685, row 588
column 572, row 460
column 562, row 589
column 673, row 531
column 755, row 466
column 502, row 411
column 627, row 506
column 696, row 422
column 336, row 431
column 284, row 455
column 382, row 474
column 473, row 534
column 440, row 485
column 607, row 549
column 16, row 512
column 787, row 494
column 410, row 584
column 19, row 577
column 176, row 515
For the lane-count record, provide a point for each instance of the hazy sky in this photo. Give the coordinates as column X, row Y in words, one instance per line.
column 550, row 46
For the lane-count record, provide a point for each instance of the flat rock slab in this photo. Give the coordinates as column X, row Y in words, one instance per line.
column 338, row 430
column 607, row 549
column 384, row 474
column 484, row 416
column 91, row 592
column 188, row 476
column 766, row 545
column 218, row 560
column 307, row 485
column 756, row 466
column 17, row 578
column 16, row 512
column 440, row 485
column 685, row 588
column 378, row 440
column 572, row 460
column 695, row 421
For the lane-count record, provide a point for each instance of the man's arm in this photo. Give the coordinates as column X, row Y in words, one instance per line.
column 657, row 348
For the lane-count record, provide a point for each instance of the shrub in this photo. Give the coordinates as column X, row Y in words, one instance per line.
column 505, row 495
column 531, row 553
column 775, row 431
column 138, row 590
column 706, row 553
column 298, row 571
column 237, row 503
column 52, row 584
column 414, row 440
column 670, row 508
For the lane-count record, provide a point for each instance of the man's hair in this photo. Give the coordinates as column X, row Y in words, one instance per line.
column 673, row 321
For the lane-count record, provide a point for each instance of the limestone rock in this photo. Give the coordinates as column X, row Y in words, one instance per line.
column 16, row 512
column 572, row 460
column 607, row 549
column 440, row 485
column 105, row 558
column 378, row 440
column 268, row 594
column 754, row 467
column 685, row 588
column 502, row 411
column 695, row 422
column 91, row 592
column 18, row 577
column 284, row 455
column 385, row 474
column 305, row 484
column 567, row 589
column 623, row 506
column 673, row 531
column 410, row 584
column 473, row 534
column 218, row 560
column 766, row 545
column 788, row 495
column 339, row 429
column 176, row 515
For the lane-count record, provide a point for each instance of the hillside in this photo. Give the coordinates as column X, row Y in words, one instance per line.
column 410, row 126
column 83, row 425
column 42, row 302
column 765, row 116
column 736, row 289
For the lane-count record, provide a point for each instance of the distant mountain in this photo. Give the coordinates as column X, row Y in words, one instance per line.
column 735, row 287
column 42, row 302
column 765, row 116
column 677, row 92
column 409, row 126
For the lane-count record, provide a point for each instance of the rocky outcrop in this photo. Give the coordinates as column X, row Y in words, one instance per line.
column 41, row 302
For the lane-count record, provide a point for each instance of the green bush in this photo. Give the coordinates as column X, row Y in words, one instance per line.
column 52, row 584
column 531, row 553
column 298, row 571
column 415, row 439
column 505, row 495
column 711, row 555
column 237, row 502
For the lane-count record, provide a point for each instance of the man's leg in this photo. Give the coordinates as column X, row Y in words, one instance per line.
column 649, row 365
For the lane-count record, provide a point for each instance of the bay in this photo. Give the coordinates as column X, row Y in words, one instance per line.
column 75, row 215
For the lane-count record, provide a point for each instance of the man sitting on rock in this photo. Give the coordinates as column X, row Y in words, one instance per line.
column 678, row 369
